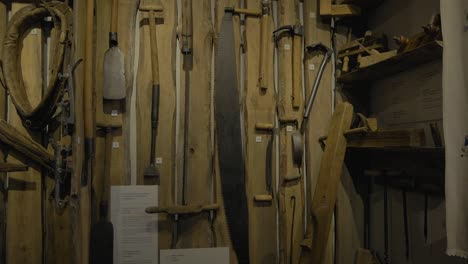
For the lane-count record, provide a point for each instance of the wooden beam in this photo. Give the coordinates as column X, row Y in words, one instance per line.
column 341, row 10
column 331, row 167
column 12, row 167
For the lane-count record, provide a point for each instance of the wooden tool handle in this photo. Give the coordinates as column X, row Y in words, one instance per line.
column 297, row 72
column 264, row 52
column 247, row 12
column 107, row 165
column 10, row 167
column 114, row 15
column 264, row 126
column 154, row 47
column 263, row 198
column 182, row 209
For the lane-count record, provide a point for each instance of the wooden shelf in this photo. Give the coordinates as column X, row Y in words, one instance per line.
column 365, row 4
column 399, row 63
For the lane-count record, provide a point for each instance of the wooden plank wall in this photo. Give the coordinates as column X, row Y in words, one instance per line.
column 165, row 146
column 195, row 231
column 316, row 30
column 260, row 107
column 291, row 193
column 24, row 233
column 79, row 18
column 3, row 112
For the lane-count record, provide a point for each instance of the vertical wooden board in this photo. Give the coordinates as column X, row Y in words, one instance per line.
column 165, row 146
column 24, row 231
column 259, row 108
column 59, row 247
column 196, row 230
column 349, row 220
column 291, row 209
column 3, row 25
column 126, row 28
column 79, row 13
column 102, row 27
column 316, row 30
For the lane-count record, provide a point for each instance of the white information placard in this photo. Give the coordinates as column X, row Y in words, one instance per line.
column 135, row 232
column 195, row 256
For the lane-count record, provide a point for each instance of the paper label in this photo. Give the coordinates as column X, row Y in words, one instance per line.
column 135, row 232
column 115, row 113
column 289, row 128
column 287, row 46
column 258, row 139
column 311, row 67
column 115, row 144
column 159, row 160
column 312, row 15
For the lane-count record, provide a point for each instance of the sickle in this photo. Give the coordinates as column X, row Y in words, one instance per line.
column 18, row 28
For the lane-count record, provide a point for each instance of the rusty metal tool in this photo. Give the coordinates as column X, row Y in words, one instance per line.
column 268, row 128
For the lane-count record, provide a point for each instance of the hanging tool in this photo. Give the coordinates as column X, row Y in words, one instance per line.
column 243, row 11
column 426, row 210
column 38, row 116
column 114, row 90
column 296, row 32
column 327, row 53
column 228, row 134
column 102, row 233
column 151, row 172
column 268, row 197
column 386, row 234
column 404, row 182
column 265, row 21
column 297, row 136
column 88, row 112
column 324, row 199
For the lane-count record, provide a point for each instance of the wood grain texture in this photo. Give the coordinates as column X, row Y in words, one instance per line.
column 24, row 233
column 3, row 102
column 331, row 167
column 79, row 13
column 165, row 145
column 196, row 231
column 260, row 106
column 291, row 193
column 316, row 30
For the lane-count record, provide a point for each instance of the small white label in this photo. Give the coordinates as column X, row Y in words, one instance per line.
column 78, row 140
column 289, row 128
column 311, row 67
column 115, row 113
column 258, row 139
column 287, row 46
column 115, row 144
column 159, row 160
column 312, row 15
column 34, row 31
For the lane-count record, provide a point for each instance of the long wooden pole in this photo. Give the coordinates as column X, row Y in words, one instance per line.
column 85, row 199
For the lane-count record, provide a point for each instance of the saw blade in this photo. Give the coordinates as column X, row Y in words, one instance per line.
column 229, row 138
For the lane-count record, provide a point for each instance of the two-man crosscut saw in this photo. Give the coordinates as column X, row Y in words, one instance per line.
column 229, row 139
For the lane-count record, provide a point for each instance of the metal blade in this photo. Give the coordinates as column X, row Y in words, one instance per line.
column 228, row 129
column 114, row 75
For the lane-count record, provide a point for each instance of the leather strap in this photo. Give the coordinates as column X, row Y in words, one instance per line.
column 20, row 24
